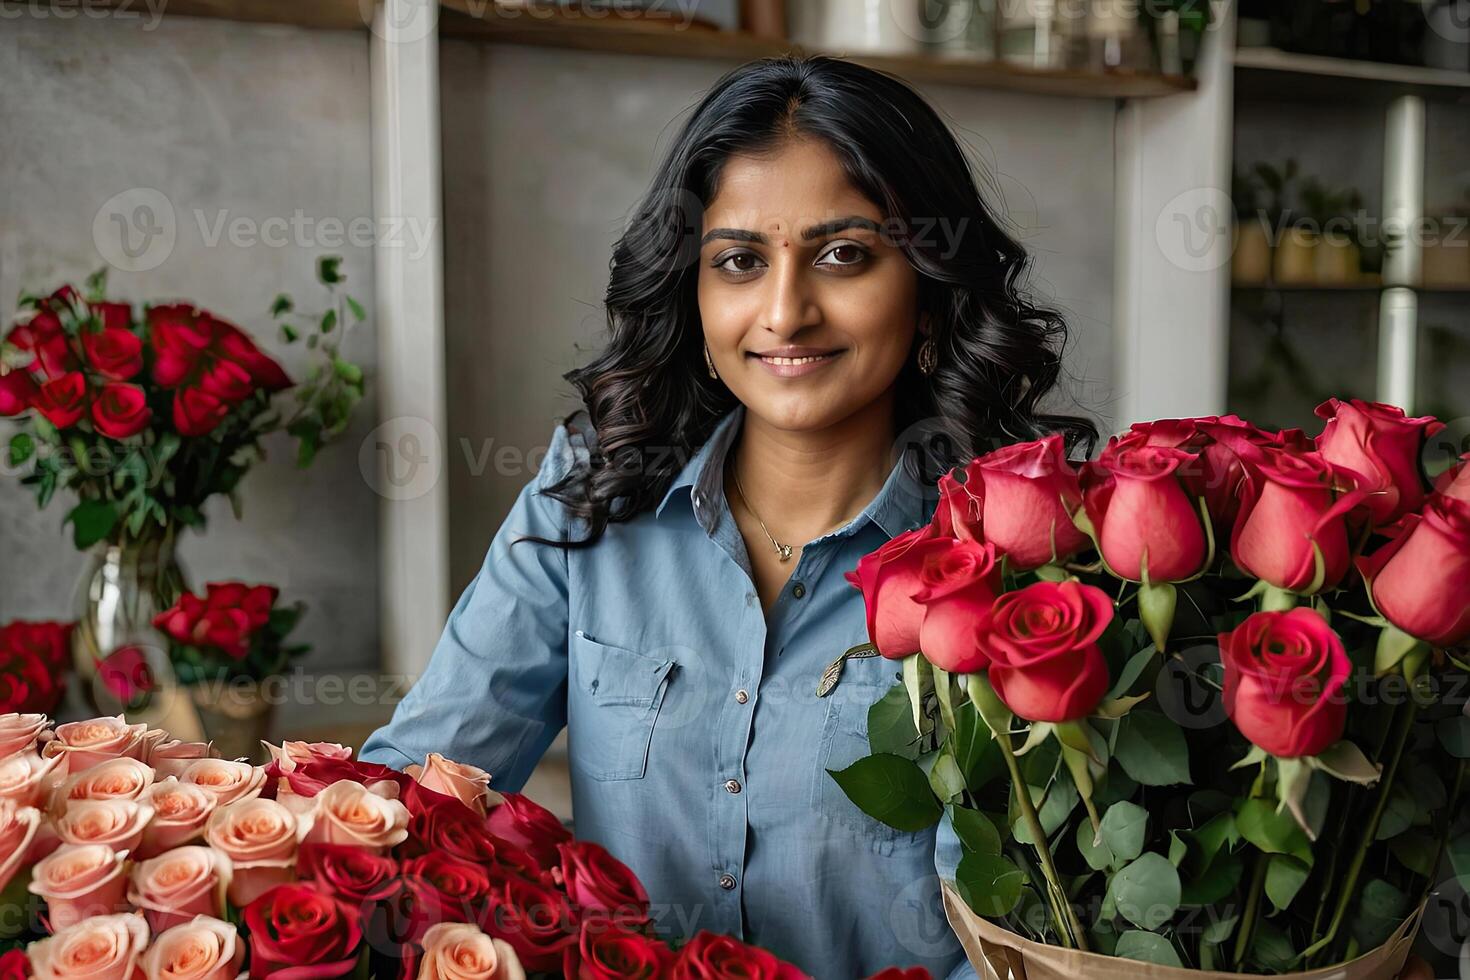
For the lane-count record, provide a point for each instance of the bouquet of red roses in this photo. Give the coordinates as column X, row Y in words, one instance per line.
column 127, row 855
column 1199, row 702
column 33, row 659
column 233, row 631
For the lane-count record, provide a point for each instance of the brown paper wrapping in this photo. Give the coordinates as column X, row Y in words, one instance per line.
column 998, row 954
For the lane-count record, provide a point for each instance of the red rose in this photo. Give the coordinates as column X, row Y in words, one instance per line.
column 44, row 339
column 1420, row 581
column 255, row 601
column 956, row 589
column 888, row 578
column 1217, row 473
column 529, row 826
column 441, row 888
column 1293, row 508
column 451, row 828
column 14, row 965
column 535, row 919
column 197, row 413
column 961, row 510
column 46, row 642
column 310, row 778
column 112, row 316
column 1455, row 481
column 607, row 951
column 1042, row 645
column 1284, row 677
column 1382, row 446
column 179, row 342
column 178, row 620
column 235, row 345
column 1142, row 515
column 1030, row 492
column 304, row 930
column 116, row 353
column 713, row 957
column 896, row 973
column 227, row 381
column 17, row 393
column 63, row 401
column 353, row 874
column 599, row 883
column 125, row 674
column 120, row 411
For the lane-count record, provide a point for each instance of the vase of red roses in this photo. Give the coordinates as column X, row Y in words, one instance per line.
column 143, row 416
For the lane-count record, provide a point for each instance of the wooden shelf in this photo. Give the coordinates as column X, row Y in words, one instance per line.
column 508, row 25
column 1359, row 287
column 322, row 14
column 1276, row 75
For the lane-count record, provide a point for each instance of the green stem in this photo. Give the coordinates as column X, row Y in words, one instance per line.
column 1252, row 909
column 1069, row 926
column 1370, row 832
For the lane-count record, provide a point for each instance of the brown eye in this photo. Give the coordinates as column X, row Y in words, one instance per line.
column 738, row 262
column 844, row 255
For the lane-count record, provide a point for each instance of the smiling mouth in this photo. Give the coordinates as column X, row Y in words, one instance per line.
column 811, row 358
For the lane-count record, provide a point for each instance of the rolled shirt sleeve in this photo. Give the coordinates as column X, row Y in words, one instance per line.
column 494, row 692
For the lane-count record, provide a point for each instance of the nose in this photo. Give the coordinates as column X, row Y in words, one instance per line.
column 789, row 305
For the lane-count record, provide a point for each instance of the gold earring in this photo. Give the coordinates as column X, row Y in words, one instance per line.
column 709, row 364
column 928, row 356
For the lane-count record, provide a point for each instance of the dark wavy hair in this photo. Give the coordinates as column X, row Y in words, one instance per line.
column 647, row 394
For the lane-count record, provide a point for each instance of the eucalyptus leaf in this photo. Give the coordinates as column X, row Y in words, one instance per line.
column 989, row 883
column 1147, row 891
column 1151, row 749
column 1150, row 947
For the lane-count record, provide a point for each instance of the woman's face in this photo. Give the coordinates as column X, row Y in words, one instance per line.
column 792, row 256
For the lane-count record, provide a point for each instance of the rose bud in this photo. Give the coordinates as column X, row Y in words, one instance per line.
column 1042, row 644
column 961, row 510
column 25, row 778
column 19, row 732
column 78, row 881
column 169, row 757
column 457, row 951
column 115, row 779
column 117, row 823
column 179, row 884
column 1382, row 446
column 956, row 588
column 1141, row 514
column 289, row 755
column 63, row 401
column 226, row 780
column 1291, row 511
column 607, row 951
column 105, row 947
column 1284, row 677
column 15, row 965
column 299, row 926
column 203, row 948
column 349, row 813
column 469, row 785
column 530, row 826
column 180, row 812
column 19, row 827
column 260, row 838
column 1030, row 492
column 712, row 955
column 17, row 393
column 86, row 743
column 600, row 884
column 1420, row 581
column 888, row 578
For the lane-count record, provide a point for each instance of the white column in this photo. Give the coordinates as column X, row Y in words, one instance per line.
column 1173, row 225
column 404, row 459
column 1403, row 210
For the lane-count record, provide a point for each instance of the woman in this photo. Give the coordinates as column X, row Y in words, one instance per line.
column 811, row 280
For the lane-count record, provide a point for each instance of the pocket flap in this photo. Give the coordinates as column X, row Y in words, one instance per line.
column 616, row 675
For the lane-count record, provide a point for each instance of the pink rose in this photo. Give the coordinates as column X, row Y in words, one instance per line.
column 115, row 779
column 180, row 811
column 259, row 837
column 86, row 743
column 116, row 823
column 106, row 947
column 1145, row 522
column 1029, row 494
column 78, row 881
column 19, row 732
column 888, row 578
column 289, row 755
column 956, row 589
column 18, row 829
column 177, row 885
column 26, row 778
column 465, row 783
column 168, row 757
column 229, row 782
column 349, row 813
column 458, row 951
column 203, row 948
column 1382, row 446
column 1420, row 581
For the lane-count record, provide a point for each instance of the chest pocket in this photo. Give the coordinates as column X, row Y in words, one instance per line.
column 617, row 696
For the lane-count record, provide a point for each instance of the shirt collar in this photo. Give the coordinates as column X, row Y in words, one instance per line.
column 901, row 505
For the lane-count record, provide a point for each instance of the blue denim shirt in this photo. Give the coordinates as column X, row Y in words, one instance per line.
column 697, row 743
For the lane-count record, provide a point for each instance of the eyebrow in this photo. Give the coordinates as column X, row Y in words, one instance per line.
column 807, row 234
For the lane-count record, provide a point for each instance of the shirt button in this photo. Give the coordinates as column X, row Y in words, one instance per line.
column 727, row 881
column 742, row 695
column 732, row 786
column 798, row 590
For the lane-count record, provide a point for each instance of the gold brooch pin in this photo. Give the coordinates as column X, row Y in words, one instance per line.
column 833, row 673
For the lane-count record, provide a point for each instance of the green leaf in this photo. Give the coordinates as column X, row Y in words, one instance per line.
column 347, row 371
column 945, row 778
column 975, row 748
column 1454, row 735
column 329, row 321
column 289, row 333
column 282, row 304
column 329, row 269
column 1270, row 831
column 892, row 789
column 891, row 725
column 1416, row 851
column 1124, row 828
column 22, row 447
column 1147, row 892
column 358, row 313
column 989, row 883
column 1399, row 814
column 975, row 831
column 1215, row 883
column 1380, row 911
column 1271, row 948
column 91, row 521
column 1152, row 750
column 1285, row 876
column 1150, row 947
column 1130, row 673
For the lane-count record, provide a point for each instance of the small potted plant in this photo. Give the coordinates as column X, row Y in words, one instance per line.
column 1250, row 259
column 1336, row 256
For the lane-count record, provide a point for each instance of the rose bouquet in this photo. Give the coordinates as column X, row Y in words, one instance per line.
column 125, row 854
column 33, row 659
column 1198, row 702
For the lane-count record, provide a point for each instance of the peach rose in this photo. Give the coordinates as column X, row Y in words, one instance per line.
column 117, row 823
column 80, row 880
column 168, row 757
column 350, row 813
column 292, row 754
column 229, row 782
column 18, row 829
column 115, row 779
column 259, row 837
column 200, row 949
column 177, row 885
column 27, row 779
column 464, row 782
column 106, row 947
column 83, row 744
column 458, row 951
column 180, row 811
column 19, row 732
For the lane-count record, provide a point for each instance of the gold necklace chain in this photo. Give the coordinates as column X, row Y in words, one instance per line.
column 783, row 550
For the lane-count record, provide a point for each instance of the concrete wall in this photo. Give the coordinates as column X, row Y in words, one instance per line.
column 222, row 120
column 546, row 150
